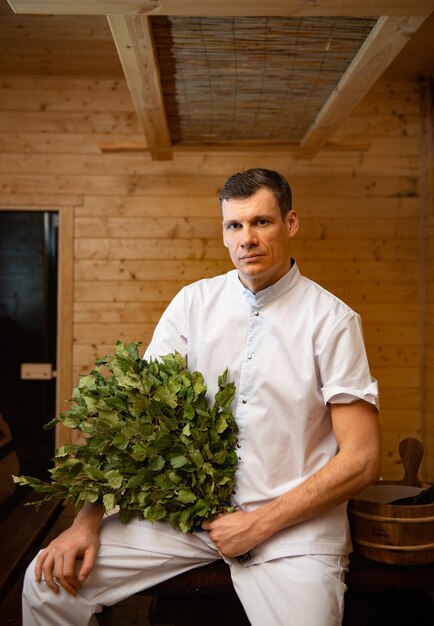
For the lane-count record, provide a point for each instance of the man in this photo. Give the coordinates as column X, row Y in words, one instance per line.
column 308, row 438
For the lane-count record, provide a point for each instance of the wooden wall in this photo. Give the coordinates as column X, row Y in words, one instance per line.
column 142, row 229
column 427, row 270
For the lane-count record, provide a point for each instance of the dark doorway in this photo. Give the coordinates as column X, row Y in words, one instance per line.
column 28, row 327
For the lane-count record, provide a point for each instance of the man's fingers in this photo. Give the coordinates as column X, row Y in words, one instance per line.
column 87, row 564
column 47, row 571
column 67, row 576
column 57, row 569
column 39, row 564
column 66, row 585
column 207, row 524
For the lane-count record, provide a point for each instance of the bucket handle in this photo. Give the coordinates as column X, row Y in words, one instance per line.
column 411, row 453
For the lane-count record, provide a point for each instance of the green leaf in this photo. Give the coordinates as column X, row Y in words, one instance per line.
column 138, row 452
column 156, row 463
column 124, row 515
column 198, row 459
column 115, row 402
column 163, row 394
column 62, row 452
column 114, row 479
column 155, row 512
column 91, row 406
column 89, row 495
column 109, row 502
column 174, row 477
column 133, row 350
column 220, row 457
column 198, row 383
column 71, row 421
column 178, row 460
column 121, row 442
column 221, row 424
column 186, row 497
column 225, row 395
column 185, row 520
column 188, row 412
column 95, row 473
column 51, row 424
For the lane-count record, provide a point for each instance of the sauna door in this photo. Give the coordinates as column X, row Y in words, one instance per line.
column 28, row 320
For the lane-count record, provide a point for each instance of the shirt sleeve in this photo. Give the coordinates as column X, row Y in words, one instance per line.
column 343, row 364
column 170, row 334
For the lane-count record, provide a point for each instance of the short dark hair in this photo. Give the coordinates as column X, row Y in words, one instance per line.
column 245, row 184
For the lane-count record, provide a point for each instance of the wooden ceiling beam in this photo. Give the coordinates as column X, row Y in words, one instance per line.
column 251, row 8
column 386, row 40
column 239, row 147
column 134, row 41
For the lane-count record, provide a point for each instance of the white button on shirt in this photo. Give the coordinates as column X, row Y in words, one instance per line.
column 290, row 349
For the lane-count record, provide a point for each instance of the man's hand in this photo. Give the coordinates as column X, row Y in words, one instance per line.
column 234, row 534
column 57, row 562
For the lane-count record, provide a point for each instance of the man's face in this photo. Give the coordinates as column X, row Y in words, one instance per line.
column 258, row 239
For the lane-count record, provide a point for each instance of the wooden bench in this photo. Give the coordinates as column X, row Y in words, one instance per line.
column 206, row 595
column 22, row 530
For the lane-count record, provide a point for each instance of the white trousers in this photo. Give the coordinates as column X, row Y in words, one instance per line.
column 293, row 591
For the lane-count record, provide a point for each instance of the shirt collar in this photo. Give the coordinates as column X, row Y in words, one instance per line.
column 289, row 280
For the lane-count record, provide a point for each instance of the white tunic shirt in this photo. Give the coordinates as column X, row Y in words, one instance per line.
column 291, row 349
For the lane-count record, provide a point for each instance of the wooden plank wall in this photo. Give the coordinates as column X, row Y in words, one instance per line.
column 429, row 363
column 427, row 269
column 428, row 418
column 142, row 229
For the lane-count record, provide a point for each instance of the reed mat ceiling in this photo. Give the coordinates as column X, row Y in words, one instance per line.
column 251, row 78
column 224, row 74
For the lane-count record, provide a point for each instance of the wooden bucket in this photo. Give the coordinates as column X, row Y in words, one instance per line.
column 394, row 533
